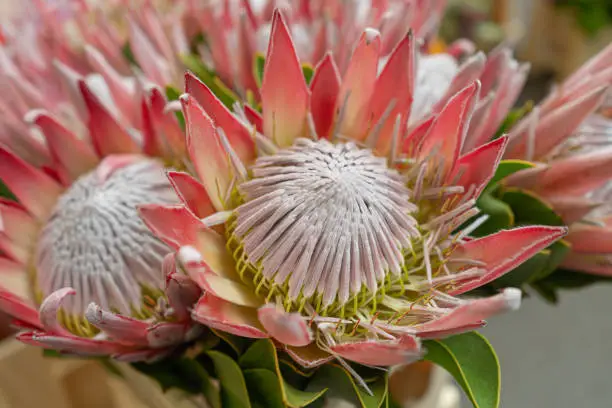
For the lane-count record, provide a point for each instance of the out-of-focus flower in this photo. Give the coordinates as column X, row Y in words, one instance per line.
column 329, row 225
column 236, row 31
column 568, row 135
column 91, row 151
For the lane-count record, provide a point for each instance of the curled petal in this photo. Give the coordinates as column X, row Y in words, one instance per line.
column 287, row 328
column 192, row 193
column 228, row 317
column 381, row 353
column 49, row 308
column 73, row 345
column 310, row 356
column 472, row 313
column 166, row 334
column 123, row 329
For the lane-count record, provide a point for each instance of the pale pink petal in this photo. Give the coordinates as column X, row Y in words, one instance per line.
column 358, row 86
column 122, row 329
column 472, row 313
column 596, row 264
column 504, row 251
column 478, row 166
column 593, row 239
column 73, row 345
column 18, row 308
column 238, row 135
column 558, row 125
column 37, row 192
column 228, row 317
column 284, row 93
column 173, row 224
column 447, row 134
column 107, row 134
column 169, row 137
column 49, row 309
column 381, row 352
column 325, row 86
column 394, row 85
column 166, row 334
column 572, row 209
column 72, row 156
column 207, row 153
column 192, row 193
column 17, row 225
column 287, row 328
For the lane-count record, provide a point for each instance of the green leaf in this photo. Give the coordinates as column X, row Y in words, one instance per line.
column 260, row 62
column 341, row 384
column 529, row 209
column 233, row 386
column 264, row 388
column 524, row 272
column 126, row 50
column 308, row 72
column 172, row 94
column 500, row 215
column 513, row 117
column 263, row 354
column 236, row 343
column 506, row 168
column 258, row 68
column 210, row 79
column 564, row 279
column 183, row 373
column 5, row 192
column 556, row 253
column 471, row 360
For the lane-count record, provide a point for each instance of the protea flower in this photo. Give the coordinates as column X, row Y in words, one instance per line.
column 324, row 224
column 79, row 169
column 568, row 136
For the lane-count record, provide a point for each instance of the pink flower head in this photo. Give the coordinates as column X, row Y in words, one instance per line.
column 326, row 223
column 568, row 137
column 92, row 148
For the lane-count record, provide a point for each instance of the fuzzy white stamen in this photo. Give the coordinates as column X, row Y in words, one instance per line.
column 96, row 243
column 325, row 219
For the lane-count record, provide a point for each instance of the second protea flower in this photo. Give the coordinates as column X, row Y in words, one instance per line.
column 324, row 224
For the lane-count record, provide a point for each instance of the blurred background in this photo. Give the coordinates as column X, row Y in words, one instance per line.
column 551, row 356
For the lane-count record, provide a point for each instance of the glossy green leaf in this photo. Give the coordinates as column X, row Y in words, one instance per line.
column 234, row 392
column 236, row 343
column 341, row 384
column 506, row 168
column 263, row 386
column 529, row 209
column 556, row 253
column 500, row 215
column 471, row 360
column 262, row 354
column 525, row 272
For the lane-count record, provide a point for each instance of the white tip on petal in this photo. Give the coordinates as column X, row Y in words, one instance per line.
column 189, row 254
column 513, row 298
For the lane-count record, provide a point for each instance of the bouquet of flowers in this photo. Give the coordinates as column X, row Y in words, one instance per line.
column 279, row 203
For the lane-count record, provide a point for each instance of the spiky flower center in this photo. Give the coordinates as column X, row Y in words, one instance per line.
column 323, row 223
column 96, row 243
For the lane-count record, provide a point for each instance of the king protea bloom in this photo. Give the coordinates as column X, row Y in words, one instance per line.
column 99, row 284
column 568, row 136
column 324, row 224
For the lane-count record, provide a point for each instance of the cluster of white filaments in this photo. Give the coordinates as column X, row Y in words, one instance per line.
column 96, row 243
column 326, row 219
